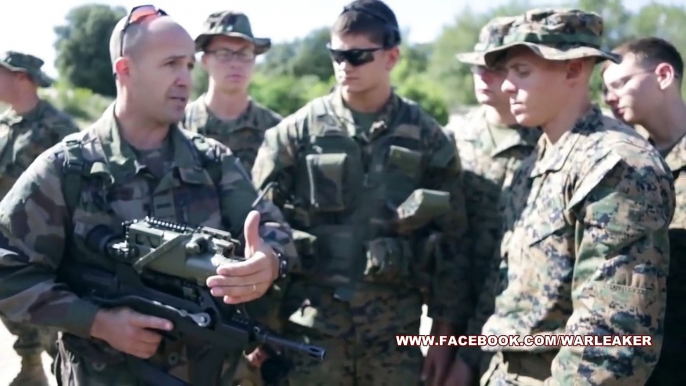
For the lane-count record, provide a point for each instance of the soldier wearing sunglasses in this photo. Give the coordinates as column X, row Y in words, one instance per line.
column 131, row 163
column 344, row 165
column 226, row 112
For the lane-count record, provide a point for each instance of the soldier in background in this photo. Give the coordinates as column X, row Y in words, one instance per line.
column 344, row 164
column 586, row 251
column 492, row 146
column 31, row 126
column 226, row 112
column 645, row 89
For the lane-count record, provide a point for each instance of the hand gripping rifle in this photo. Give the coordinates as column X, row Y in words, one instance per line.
column 161, row 269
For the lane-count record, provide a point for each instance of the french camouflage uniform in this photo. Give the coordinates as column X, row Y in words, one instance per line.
column 671, row 364
column 94, row 177
column 490, row 154
column 378, row 215
column 22, row 138
column 586, row 248
column 242, row 135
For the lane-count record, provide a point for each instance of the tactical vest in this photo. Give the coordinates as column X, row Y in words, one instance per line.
column 346, row 194
column 75, row 166
column 76, row 177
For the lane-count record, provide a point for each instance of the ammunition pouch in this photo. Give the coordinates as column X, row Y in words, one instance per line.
column 388, row 260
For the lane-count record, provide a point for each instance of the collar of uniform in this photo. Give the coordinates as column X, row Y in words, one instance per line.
column 383, row 117
column 498, row 138
column 676, row 158
column 205, row 117
column 555, row 155
column 122, row 159
column 36, row 113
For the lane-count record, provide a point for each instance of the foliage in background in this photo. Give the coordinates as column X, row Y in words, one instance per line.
column 296, row 71
column 82, row 45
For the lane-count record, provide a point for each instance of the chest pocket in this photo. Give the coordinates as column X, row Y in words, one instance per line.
column 334, row 172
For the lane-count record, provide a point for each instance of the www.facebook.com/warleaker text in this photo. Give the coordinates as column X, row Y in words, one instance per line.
column 524, row 340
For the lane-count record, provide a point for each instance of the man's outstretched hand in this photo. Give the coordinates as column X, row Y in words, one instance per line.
column 241, row 282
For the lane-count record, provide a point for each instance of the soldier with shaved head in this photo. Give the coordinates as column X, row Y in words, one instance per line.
column 131, row 163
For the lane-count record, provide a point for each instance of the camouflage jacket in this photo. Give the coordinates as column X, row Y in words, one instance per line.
column 341, row 186
column 24, row 137
column 40, row 235
column 585, row 251
column 242, row 135
column 490, row 155
column 671, row 363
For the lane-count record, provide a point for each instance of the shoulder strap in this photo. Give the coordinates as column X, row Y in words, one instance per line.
column 73, row 173
column 208, row 158
column 318, row 109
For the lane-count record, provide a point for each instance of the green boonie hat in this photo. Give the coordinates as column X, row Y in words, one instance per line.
column 29, row 64
column 556, row 34
column 491, row 36
column 234, row 24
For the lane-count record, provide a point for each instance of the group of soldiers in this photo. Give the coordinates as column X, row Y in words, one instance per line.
column 545, row 215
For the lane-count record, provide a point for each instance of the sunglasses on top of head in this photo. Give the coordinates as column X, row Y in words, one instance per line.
column 137, row 14
column 356, row 56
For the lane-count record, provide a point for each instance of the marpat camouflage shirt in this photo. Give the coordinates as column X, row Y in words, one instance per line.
column 490, row 155
column 586, row 252
column 24, row 137
column 242, row 135
column 342, row 180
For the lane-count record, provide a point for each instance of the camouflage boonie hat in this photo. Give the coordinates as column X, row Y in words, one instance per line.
column 491, row 36
column 556, row 34
column 234, row 24
column 29, row 64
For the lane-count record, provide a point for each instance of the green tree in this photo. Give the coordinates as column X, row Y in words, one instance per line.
column 301, row 57
column 82, row 45
column 452, row 77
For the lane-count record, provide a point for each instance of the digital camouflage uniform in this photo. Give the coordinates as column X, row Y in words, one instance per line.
column 671, row 365
column 243, row 135
column 340, row 182
column 490, row 154
column 188, row 180
column 22, row 138
column 585, row 250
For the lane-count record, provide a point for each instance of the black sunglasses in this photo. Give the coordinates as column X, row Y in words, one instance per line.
column 355, row 57
column 137, row 14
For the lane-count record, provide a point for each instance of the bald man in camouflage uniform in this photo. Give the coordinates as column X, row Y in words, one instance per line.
column 492, row 146
column 226, row 112
column 586, row 248
column 133, row 162
column 29, row 127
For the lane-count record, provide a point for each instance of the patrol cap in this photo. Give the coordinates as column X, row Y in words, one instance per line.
column 28, row 64
column 491, row 36
column 556, row 34
column 230, row 23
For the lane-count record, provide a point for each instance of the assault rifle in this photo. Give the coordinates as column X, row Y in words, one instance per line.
column 161, row 269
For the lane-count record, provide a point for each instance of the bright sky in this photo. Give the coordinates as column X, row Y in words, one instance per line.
column 27, row 25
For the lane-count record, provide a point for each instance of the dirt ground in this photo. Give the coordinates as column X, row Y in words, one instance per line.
column 10, row 362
